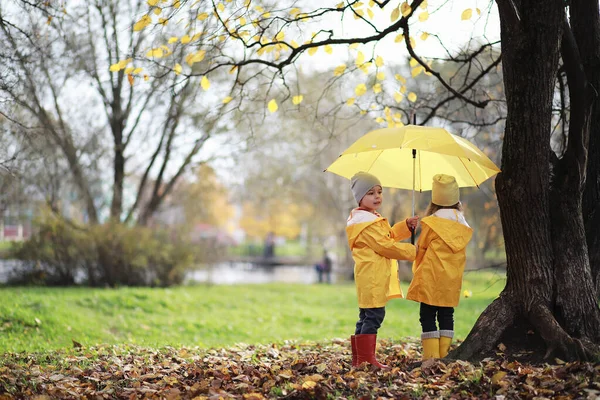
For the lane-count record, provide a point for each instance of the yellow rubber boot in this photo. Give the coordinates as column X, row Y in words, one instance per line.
column 431, row 344
column 445, row 341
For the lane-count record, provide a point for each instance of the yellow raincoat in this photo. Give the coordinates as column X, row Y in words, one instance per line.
column 374, row 245
column 440, row 263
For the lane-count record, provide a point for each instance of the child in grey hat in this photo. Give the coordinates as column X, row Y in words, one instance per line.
column 374, row 245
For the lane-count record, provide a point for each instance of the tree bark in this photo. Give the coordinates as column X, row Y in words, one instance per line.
column 585, row 23
column 549, row 286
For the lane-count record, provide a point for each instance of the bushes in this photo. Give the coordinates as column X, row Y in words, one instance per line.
column 110, row 254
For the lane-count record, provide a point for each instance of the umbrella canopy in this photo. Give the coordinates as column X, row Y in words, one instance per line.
column 388, row 154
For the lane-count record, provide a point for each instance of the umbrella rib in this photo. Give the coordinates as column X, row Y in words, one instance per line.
column 463, row 163
column 371, row 166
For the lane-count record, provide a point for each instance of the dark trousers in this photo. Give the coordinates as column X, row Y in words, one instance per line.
column 445, row 317
column 369, row 320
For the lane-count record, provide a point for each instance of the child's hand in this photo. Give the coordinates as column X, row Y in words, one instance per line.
column 412, row 222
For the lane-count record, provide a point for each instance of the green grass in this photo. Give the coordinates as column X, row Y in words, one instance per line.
column 38, row 319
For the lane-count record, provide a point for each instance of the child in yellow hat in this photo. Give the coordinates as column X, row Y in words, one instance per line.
column 438, row 268
column 374, row 245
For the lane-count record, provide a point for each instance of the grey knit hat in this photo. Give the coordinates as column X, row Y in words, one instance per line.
column 361, row 183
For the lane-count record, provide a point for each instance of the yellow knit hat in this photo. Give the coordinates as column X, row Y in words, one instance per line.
column 444, row 191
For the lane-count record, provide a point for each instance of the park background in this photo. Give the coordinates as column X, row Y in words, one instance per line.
column 140, row 182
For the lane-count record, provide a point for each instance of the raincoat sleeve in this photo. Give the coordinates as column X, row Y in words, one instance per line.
column 400, row 231
column 427, row 235
column 385, row 245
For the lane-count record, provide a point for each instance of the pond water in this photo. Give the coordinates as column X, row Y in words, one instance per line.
column 230, row 273
column 243, row 273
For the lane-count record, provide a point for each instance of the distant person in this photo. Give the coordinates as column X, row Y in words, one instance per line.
column 374, row 245
column 323, row 269
column 269, row 250
column 442, row 248
column 327, row 266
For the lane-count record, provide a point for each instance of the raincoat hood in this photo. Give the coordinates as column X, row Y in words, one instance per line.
column 357, row 222
column 453, row 233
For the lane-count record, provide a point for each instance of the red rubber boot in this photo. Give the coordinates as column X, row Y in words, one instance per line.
column 365, row 350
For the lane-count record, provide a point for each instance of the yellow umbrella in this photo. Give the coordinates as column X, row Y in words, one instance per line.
column 408, row 157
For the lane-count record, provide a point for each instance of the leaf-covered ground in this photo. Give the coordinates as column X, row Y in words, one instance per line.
column 290, row 371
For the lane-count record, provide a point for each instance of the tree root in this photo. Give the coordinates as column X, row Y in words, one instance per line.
column 502, row 315
column 487, row 331
column 558, row 342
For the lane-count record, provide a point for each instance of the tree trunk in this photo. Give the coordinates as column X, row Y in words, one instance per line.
column 585, row 22
column 546, row 252
column 117, row 126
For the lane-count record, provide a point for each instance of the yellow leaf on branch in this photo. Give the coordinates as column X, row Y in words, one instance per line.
column 424, row 36
column 185, row 39
column 227, row 99
column 221, row 7
column 152, row 3
column 365, row 67
column 412, row 97
column 417, row 70
column 155, row 53
column 400, row 78
column 380, row 76
column 273, row 106
column 177, row 69
column 192, row 58
column 467, row 14
column 328, row 49
column 424, row 16
column 205, row 83
column 398, row 97
column 405, row 9
column 399, row 38
column 173, row 39
column 377, row 88
column 379, row 61
column 339, row 70
column 202, row 16
column 142, row 23
column 295, row 11
column 297, row 99
column 360, row 89
column 370, row 12
column 360, row 59
column 312, row 50
column 350, row 101
column 395, row 14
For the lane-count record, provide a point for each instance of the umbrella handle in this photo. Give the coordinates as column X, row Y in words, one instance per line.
column 412, row 230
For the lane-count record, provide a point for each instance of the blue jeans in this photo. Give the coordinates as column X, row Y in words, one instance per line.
column 369, row 320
